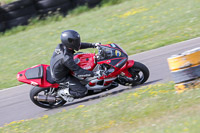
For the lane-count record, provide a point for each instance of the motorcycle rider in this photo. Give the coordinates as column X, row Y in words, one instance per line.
column 62, row 63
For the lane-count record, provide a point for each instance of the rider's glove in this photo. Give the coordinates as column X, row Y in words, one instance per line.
column 95, row 44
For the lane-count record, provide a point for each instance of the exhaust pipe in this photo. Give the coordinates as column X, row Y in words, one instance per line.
column 43, row 98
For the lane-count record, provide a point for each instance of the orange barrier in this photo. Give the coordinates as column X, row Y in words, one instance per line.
column 185, row 69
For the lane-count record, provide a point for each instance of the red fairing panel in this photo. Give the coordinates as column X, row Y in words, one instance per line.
column 123, row 69
column 129, row 64
column 85, row 61
column 22, row 77
column 26, row 76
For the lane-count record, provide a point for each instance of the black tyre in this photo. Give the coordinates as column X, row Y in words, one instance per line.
column 2, row 27
column 90, row 3
column 2, row 11
column 35, row 91
column 17, row 5
column 19, row 13
column 1, row 18
column 79, row 2
column 62, row 9
column 18, row 21
column 44, row 4
column 139, row 72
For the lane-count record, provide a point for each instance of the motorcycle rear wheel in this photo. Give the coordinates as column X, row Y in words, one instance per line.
column 35, row 91
column 139, row 72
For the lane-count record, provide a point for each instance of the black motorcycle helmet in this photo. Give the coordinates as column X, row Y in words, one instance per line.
column 71, row 39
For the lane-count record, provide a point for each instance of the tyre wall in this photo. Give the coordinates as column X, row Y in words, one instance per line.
column 185, row 69
column 47, row 7
column 19, row 12
column 2, row 21
column 90, row 3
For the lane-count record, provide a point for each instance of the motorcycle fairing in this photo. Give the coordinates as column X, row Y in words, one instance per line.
column 113, row 55
column 124, row 69
column 100, row 84
column 128, row 65
column 36, row 76
column 85, row 61
column 121, row 63
column 117, row 58
column 115, row 46
column 115, row 62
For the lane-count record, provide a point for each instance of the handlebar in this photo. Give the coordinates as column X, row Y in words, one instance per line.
column 99, row 51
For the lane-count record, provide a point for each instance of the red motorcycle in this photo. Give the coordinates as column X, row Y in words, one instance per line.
column 111, row 60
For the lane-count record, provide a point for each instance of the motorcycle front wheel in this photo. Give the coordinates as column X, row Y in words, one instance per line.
column 45, row 97
column 139, row 72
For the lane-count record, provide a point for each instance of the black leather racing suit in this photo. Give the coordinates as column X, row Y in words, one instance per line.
column 62, row 63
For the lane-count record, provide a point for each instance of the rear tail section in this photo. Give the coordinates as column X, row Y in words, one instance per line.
column 36, row 76
column 32, row 75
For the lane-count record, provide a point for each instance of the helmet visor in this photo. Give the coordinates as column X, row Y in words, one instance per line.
column 77, row 44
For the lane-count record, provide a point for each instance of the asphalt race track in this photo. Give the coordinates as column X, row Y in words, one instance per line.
column 15, row 103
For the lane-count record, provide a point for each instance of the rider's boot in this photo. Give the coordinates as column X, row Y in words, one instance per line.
column 64, row 92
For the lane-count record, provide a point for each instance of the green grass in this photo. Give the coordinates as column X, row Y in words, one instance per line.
column 7, row 1
column 135, row 25
column 152, row 109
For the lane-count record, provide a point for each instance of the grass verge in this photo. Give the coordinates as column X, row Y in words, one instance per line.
column 7, row 1
column 135, row 25
column 152, row 109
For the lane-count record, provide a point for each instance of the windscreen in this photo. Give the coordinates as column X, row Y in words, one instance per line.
column 108, row 53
